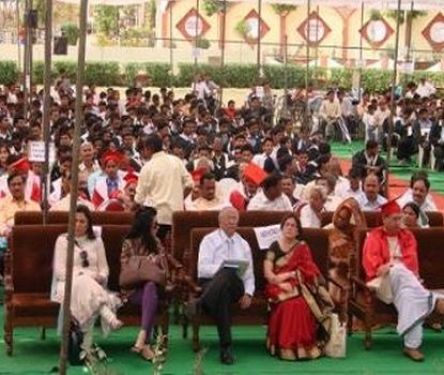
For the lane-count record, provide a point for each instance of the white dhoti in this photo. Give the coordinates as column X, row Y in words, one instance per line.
column 413, row 303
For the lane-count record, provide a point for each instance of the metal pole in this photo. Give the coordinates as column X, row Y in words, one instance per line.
column 26, row 60
column 170, row 4
column 196, row 44
column 259, row 28
column 31, row 54
column 74, row 187
column 394, row 79
column 409, row 42
column 47, row 105
column 315, row 73
column 19, row 54
column 307, row 64
column 222, row 52
column 361, row 52
column 285, row 72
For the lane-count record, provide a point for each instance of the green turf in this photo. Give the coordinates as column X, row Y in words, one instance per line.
column 34, row 356
column 345, row 151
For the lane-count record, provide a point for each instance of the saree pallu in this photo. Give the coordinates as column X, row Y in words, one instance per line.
column 299, row 319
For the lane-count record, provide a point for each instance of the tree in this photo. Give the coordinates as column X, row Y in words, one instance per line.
column 283, row 10
column 213, row 6
column 107, row 19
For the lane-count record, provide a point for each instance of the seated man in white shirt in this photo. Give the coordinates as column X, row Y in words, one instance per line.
column 371, row 200
column 209, row 199
column 310, row 214
column 270, row 198
column 419, row 193
column 223, row 285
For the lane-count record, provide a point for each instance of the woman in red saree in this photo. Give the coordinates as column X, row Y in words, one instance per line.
column 300, row 305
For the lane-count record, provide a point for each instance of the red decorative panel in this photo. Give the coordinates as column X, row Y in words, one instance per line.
column 252, row 20
column 376, row 32
column 434, row 32
column 314, row 29
column 187, row 25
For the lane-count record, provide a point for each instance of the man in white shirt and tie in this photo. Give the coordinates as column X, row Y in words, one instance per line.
column 224, row 285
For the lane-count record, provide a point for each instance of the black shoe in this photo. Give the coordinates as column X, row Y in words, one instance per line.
column 226, row 356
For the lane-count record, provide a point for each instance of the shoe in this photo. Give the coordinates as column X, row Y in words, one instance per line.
column 414, row 354
column 145, row 352
column 226, row 356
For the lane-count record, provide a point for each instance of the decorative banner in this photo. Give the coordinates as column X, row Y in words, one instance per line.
column 192, row 25
column 434, row 32
column 252, row 27
column 267, row 235
column 314, row 29
column 376, row 32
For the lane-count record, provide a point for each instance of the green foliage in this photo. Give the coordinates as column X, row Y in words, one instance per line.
column 38, row 72
column 341, row 78
column 102, row 74
column 376, row 80
column 133, row 37
column 159, row 73
column 9, row 73
column 203, row 43
column 393, row 14
column 72, row 32
column 213, row 6
column 242, row 28
column 107, row 19
column 283, row 9
column 375, row 15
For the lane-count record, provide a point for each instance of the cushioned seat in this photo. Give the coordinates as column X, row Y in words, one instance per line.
column 33, row 304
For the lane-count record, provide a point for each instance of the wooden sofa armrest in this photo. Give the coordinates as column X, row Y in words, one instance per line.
column 174, row 263
column 333, row 281
column 357, row 282
column 193, row 288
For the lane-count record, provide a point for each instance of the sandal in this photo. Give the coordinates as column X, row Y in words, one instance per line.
column 145, row 352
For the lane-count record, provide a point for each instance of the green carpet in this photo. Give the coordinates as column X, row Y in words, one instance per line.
column 345, row 151
column 34, row 356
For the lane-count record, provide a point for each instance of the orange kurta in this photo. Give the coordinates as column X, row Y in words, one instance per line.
column 376, row 251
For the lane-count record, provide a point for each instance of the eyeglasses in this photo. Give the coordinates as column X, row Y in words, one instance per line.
column 84, row 258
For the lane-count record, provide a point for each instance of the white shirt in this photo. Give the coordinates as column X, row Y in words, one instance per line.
column 201, row 89
column 427, row 206
column 161, row 185
column 309, row 218
column 366, row 205
column 216, row 247
column 261, row 203
column 425, row 90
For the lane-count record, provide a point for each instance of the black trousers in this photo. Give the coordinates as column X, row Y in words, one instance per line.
column 224, row 289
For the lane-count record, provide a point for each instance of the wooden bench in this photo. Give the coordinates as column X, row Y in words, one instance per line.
column 60, row 217
column 28, row 275
column 257, row 314
column 363, row 303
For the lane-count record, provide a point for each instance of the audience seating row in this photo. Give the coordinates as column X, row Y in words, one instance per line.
column 28, row 275
column 363, row 303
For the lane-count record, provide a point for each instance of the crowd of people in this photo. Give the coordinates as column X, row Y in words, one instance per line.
column 154, row 154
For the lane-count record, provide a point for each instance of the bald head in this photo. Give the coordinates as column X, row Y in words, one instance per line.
column 228, row 220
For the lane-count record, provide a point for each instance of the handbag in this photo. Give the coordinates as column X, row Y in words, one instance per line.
column 140, row 269
column 75, row 341
column 337, row 345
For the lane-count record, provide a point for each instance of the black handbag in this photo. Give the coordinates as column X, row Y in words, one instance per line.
column 75, row 341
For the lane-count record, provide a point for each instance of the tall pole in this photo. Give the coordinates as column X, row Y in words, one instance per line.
column 47, row 105
column 196, row 44
column 26, row 56
column 170, row 4
column 361, row 52
column 408, row 42
column 394, row 79
column 222, row 45
column 307, row 63
column 315, row 73
column 259, row 29
column 285, row 72
column 17, row 16
column 74, row 187
column 31, row 54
